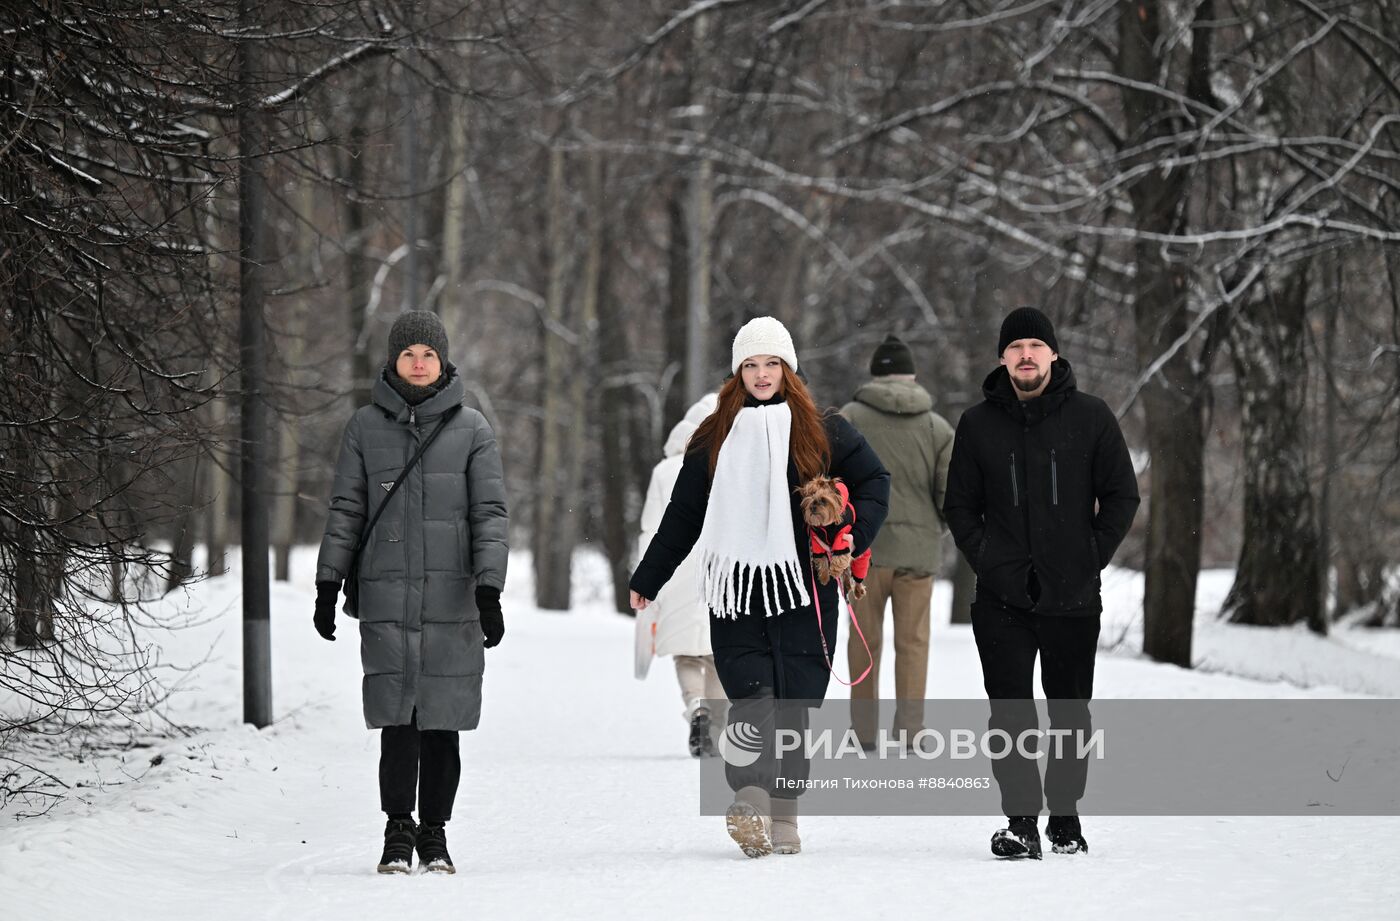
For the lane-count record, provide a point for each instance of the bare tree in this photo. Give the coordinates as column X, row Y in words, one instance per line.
column 98, row 176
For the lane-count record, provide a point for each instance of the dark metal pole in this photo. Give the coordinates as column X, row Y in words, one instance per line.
column 252, row 196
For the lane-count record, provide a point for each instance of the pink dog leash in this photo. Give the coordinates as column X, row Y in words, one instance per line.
column 855, row 624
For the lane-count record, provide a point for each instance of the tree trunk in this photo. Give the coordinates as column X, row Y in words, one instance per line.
column 1277, row 581
column 787, row 302
column 454, row 232
column 183, row 527
column 410, row 273
column 1332, row 304
column 288, row 467
column 576, row 508
column 677, row 315
column 615, row 406
column 1176, row 445
column 34, row 599
column 359, row 272
column 219, row 485
column 1173, row 397
column 699, row 246
column 698, row 238
column 215, row 479
column 284, row 503
column 677, row 62
column 555, row 518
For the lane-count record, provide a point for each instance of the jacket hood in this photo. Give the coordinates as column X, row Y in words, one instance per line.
column 388, row 399
column 904, row 398
column 682, row 430
column 997, row 389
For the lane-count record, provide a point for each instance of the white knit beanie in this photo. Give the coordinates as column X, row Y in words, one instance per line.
column 764, row 336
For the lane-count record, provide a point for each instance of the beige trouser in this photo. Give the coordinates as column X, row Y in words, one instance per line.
column 699, row 682
column 911, row 594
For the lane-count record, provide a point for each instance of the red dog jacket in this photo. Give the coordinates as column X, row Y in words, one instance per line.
column 841, row 542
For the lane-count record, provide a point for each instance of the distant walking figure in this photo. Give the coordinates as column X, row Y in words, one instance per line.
column 679, row 624
column 915, row 443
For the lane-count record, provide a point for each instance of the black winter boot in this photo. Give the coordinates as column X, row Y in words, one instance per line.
column 1065, row 835
column 1021, row 838
column 399, row 837
column 432, row 848
column 702, row 744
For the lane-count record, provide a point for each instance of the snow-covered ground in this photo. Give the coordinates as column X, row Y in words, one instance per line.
column 579, row 801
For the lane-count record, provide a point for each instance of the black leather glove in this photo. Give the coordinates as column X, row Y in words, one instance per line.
column 488, row 602
column 326, row 595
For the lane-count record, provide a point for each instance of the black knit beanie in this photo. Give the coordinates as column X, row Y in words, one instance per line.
column 417, row 327
column 892, row 357
column 1026, row 323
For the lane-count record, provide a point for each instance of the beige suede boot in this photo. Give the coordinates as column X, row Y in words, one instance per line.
column 785, row 837
column 748, row 822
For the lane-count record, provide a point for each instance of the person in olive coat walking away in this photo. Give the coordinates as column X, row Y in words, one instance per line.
column 735, row 503
column 895, row 414
column 429, row 578
column 1041, row 491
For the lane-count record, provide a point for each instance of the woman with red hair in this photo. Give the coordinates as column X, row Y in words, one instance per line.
column 735, row 503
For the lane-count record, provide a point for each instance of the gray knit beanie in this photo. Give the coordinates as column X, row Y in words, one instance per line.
column 417, row 327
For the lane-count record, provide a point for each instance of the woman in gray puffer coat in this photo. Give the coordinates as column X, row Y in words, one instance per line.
column 430, row 578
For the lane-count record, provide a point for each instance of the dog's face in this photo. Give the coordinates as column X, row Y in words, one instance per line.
column 821, row 503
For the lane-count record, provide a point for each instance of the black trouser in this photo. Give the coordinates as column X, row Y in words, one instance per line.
column 418, row 765
column 766, row 715
column 750, row 664
column 1007, row 643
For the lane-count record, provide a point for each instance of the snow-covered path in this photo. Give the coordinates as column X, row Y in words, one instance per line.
column 579, row 801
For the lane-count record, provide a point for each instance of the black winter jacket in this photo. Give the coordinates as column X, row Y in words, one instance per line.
column 783, row 652
column 1022, row 485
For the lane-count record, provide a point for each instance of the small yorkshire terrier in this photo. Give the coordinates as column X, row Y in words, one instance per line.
column 827, row 509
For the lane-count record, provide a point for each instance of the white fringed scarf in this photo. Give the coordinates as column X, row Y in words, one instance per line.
column 748, row 532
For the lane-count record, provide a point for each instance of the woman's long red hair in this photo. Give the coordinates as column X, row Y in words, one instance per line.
column 807, row 446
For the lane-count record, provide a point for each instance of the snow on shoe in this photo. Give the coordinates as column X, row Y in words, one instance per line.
column 1065, row 835
column 399, row 838
column 432, row 849
column 1021, row 838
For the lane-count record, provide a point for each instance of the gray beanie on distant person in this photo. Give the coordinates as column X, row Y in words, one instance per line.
column 417, row 327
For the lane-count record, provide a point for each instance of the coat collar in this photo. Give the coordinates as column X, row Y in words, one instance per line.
column 997, row 389
column 392, row 402
column 904, row 398
column 750, row 400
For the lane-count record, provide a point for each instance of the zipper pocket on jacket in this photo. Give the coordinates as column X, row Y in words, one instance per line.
column 1054, row 480
column 1015, row 495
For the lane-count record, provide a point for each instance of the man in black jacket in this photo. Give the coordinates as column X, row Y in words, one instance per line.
column 1041, row 491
